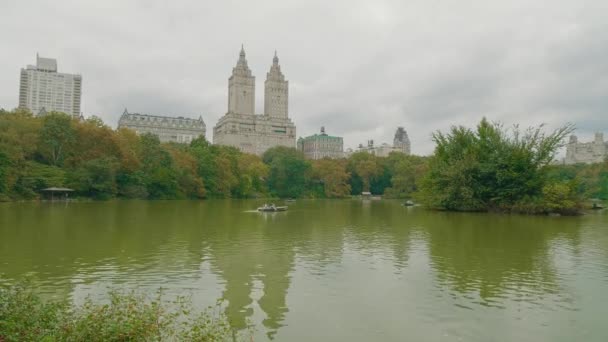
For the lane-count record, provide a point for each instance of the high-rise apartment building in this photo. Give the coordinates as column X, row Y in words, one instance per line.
column 42, row 89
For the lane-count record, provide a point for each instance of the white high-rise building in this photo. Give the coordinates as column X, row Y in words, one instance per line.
column 241, row 127
column 42, row 89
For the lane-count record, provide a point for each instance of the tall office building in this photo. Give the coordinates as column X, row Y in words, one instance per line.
column 42, row 89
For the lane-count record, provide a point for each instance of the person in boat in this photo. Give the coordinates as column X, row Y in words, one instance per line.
column 273, row 207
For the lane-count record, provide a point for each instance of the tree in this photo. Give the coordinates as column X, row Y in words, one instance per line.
column 333, row 175
column 365, row 166
column 95, row 141
column 56, row 137
column 189, row 182
column 159, row 176
column 95, row 178
column 489, row 168
column 35, row 176
column 252, row 173
column 288, row 171
column 5, row 165
column 405, row 171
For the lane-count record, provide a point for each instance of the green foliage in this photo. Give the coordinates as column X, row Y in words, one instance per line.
column 35, row 176
column 94, row 178
column 366, row 167
column 490, row 168
column 126, row 317
column 405, row 172
column 23, row 316
column 159, row 177
column 5, row 165
column 561, row 198
column 57, row 136
column 288, row 171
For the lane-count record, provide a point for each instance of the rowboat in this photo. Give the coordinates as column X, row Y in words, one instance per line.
column 271, row 208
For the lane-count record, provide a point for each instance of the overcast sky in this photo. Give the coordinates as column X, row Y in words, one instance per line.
column 359, row 68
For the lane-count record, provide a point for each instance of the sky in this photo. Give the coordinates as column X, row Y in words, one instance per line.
column 359, row 68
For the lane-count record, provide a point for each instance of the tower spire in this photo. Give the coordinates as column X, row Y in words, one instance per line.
column 275, row 59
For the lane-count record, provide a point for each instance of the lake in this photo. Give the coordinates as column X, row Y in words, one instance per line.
column 327, row 270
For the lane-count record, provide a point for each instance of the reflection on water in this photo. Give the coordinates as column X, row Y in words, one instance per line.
column 327, row 270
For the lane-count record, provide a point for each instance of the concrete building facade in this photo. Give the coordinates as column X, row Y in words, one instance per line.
column 42, row 89
column 401, row 143
column 319, row 146
column 168, row 129
column 255, row 133
column 587, row 153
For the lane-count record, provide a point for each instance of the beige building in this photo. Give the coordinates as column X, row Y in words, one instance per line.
column 241, row 127
column 401, row 143
column 587, row 153
column 319, row 146
column 168, row 129
column 42, row 89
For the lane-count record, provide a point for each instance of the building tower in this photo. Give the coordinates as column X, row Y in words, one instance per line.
column 401, row 141
column 241, row 88
column 42, row 89
column 276, row 91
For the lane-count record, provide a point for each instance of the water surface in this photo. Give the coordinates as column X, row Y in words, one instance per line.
column 341, row 270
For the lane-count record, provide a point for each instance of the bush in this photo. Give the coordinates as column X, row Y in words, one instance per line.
column 126, row 317
column 492, row 168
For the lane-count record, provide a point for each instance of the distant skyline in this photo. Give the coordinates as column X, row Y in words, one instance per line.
column 359, row 68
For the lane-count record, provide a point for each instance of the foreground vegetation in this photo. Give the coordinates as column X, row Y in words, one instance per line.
column 101, row 163
column 126, row 317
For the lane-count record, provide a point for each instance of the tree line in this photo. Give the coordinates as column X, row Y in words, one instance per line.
column 488, row 168
column 100, row 163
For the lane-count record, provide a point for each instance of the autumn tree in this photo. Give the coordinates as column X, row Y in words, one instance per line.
column 365, row 166
column 333, row 175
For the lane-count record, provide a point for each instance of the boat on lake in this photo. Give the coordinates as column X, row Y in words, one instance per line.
column 271, row 208
column 408, row 203
column 597, row 204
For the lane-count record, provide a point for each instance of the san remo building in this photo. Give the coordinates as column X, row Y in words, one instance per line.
column 241, row 127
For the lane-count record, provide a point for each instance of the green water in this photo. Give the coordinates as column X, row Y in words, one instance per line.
column 327, row 270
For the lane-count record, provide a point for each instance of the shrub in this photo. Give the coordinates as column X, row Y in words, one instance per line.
column 126, row 317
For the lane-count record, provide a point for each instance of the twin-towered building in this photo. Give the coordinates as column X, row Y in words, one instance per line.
column 42, row 89
column 241, row 127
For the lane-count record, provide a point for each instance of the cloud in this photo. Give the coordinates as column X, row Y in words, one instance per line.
column 359, row 68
